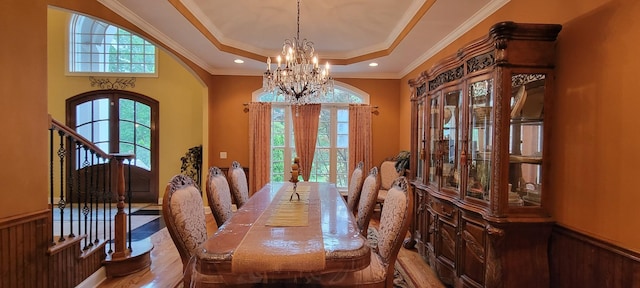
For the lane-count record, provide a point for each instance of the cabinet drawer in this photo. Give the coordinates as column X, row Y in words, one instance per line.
column 447, row 211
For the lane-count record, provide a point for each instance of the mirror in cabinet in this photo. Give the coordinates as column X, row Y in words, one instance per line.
column 434, row 127
column 480, row 139
column 451, row 134
column 526, row 139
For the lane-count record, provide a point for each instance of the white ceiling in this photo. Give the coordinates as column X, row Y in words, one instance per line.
column 397, row 34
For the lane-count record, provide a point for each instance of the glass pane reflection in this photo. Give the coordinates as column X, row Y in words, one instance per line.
column 480, row 137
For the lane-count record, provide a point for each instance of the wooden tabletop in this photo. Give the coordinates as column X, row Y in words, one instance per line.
column 337, row 236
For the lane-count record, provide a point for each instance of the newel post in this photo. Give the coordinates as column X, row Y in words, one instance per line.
column 120, row 241
column 126, row 259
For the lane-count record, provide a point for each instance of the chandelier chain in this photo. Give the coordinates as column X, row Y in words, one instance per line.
column 298, row 21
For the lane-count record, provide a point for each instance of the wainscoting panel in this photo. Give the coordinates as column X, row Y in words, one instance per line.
column 69, row 265
column 24, row 241
column 578, row 260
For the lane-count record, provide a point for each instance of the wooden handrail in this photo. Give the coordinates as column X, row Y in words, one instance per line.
column 56, row 125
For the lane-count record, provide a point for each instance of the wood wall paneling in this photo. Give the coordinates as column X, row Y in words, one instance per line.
column 23, row 250
column 27, row 260
column 578, row 260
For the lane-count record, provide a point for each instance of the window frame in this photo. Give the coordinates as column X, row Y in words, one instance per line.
column 289, row 144
column 70, row 52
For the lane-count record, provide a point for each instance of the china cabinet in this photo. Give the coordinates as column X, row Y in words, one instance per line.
column 479, row 144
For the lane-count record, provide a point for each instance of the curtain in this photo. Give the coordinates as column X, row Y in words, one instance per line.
column 360, row 137
column 305, row 131
column 259, row 145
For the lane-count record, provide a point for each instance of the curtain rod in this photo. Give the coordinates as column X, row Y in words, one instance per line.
column 374, row 109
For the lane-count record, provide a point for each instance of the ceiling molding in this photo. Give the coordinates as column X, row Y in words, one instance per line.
column 205, row 27
column 211, row 34
column 164, row 40
column 187, row 14
column 399, row 32
column 474, row 20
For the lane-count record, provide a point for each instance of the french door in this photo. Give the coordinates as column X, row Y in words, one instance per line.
column 121, row 122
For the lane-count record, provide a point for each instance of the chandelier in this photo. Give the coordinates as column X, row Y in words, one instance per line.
column 298, row 78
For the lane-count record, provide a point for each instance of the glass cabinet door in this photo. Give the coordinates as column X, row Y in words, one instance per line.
column 480, row 139
column 526, row 134
column 434, row 127
column 451, row 131
column 420, row 139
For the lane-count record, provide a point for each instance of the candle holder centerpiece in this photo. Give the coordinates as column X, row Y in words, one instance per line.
column 295, row 172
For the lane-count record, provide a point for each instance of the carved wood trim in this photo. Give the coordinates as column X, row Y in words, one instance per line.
column 474, row 247
column 448, row 241
column 480, row 62
column 499, row 123
column 447, row 76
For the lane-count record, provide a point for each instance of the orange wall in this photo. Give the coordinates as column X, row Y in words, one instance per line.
column 23, row 98
column 594, row 131
column 594, row 139
column 385, row 126
column 229, row 124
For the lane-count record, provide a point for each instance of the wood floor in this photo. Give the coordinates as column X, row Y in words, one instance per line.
column 166, row 267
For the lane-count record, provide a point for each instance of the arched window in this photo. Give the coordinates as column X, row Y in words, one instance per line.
column 99, row 47
column 331, row 159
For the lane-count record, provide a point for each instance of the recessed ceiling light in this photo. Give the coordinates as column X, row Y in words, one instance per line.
column 373, row 64
column 239, row 61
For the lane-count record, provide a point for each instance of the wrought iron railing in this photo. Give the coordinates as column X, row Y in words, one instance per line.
column 88, row 194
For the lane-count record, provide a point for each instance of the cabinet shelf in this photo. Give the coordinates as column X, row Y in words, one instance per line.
column 526, row 121
column 482, row 124
column 525, row 159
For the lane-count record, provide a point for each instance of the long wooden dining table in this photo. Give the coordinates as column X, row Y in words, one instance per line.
column 277, row 236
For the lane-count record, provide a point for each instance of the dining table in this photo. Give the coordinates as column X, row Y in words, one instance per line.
column 277, row 236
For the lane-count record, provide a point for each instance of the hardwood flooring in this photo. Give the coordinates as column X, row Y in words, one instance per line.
column 166, row 267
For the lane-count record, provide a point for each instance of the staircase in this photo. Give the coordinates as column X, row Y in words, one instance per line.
column 86, row 185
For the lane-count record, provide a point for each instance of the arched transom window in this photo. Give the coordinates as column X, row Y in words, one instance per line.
column 99, row 47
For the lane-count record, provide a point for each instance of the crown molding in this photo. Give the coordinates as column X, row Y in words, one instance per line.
column 474, row 20
column 118, row 8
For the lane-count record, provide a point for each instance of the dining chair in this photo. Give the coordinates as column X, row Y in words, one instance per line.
column 218, row 195
column 388, row 174
column 355, row 187
column 238, row 184
column 394, row 224
column 367, row 201
column 182, row 211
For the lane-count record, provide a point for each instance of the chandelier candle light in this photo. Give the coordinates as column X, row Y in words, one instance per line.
column 299, row 79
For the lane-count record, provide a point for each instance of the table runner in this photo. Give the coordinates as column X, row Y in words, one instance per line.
column 284, row 244
column 291, row 213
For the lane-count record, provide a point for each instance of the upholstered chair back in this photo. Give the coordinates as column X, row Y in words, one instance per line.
column 394, row 224
column 183, row 212
column 219, row 196
column 394, row 220
column 355, row 187
column 238, row 184
column 388, row 174
column 367, row 201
